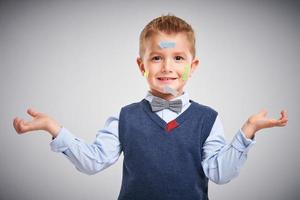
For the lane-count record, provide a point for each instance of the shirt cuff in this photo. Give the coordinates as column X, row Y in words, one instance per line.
column 63, row 140
column 241, row 143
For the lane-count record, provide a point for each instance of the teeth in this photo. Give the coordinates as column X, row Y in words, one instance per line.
column 166, row 78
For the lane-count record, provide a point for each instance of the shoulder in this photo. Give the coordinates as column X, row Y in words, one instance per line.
column 203, row 108
column 131, row 106
column 208, row 115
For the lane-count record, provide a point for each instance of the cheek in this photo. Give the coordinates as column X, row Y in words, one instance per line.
column 153, row 69
column 180, row 70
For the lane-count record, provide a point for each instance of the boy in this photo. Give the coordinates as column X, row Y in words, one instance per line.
column 171, row 145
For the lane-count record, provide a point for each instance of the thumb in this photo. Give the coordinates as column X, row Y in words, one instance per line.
column 32, row 112
column 263, row 112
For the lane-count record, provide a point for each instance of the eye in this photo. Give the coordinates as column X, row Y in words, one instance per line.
column 156, row 58
column 179, row 58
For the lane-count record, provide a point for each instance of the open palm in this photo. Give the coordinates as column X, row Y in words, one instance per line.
column 261, row 121
column 39, row 122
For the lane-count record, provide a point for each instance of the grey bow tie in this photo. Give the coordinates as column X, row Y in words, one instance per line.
column 158, row 104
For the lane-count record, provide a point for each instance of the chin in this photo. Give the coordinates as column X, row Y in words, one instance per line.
column 161, row 90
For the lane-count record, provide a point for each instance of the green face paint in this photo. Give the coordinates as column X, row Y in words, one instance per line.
column 186, row 72
column 146, row 74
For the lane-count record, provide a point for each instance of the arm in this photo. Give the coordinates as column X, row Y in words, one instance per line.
column 222, row 162
column 87, row 158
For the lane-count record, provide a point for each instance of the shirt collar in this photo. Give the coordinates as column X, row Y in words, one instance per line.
column 185, row 98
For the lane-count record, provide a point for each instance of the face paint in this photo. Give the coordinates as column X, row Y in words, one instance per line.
column 146, row 74
column 186, row 72
column 169, row 90
column 164, row 44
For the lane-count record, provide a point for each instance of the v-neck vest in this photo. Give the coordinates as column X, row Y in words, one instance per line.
column 162, row 161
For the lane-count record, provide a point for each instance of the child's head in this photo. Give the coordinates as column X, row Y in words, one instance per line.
column 168, row 24
column 167, row 54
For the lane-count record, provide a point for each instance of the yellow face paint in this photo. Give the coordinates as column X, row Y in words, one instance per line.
column 186, row 72
column 146, row 74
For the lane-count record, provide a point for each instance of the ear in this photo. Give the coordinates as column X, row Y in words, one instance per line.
column 140, row 63
column 194, row 65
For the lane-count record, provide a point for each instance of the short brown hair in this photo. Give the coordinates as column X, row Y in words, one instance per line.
column 167, row 24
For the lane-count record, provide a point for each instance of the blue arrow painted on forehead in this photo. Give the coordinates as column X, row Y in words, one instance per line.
column 164, row 44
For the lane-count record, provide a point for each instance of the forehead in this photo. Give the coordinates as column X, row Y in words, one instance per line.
column 178, row 41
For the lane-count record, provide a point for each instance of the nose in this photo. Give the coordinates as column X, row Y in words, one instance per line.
column 167, row 65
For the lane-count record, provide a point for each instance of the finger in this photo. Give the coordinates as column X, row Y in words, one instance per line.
column 25, row 126
column 15, row 124
column 283, row 117
column 283, row 121
column 32, row 112
column 283, row 124
column 284, row 114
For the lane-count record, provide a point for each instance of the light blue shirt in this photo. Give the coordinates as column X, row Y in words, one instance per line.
column 221, row 162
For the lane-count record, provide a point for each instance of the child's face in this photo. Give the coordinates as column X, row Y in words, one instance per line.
column 167, row 65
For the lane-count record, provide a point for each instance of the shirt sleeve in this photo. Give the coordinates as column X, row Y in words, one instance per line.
column 222, row 162
column 90, row 158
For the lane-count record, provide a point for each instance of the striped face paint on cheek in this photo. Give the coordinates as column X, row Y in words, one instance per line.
column 186, row 72
column 146, row 73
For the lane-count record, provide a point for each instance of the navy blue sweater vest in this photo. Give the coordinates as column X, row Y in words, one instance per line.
column 163, row 161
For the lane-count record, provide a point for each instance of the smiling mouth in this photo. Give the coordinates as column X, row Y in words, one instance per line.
column 166, row 78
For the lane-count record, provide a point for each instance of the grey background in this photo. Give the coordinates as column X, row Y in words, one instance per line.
column 75, row 60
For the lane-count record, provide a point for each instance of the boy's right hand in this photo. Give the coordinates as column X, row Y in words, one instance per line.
column 40, row 121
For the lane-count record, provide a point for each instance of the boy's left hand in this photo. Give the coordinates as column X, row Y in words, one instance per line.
column 259, row 121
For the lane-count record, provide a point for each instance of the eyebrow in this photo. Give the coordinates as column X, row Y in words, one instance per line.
column 180, row 53
column 154, row 52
